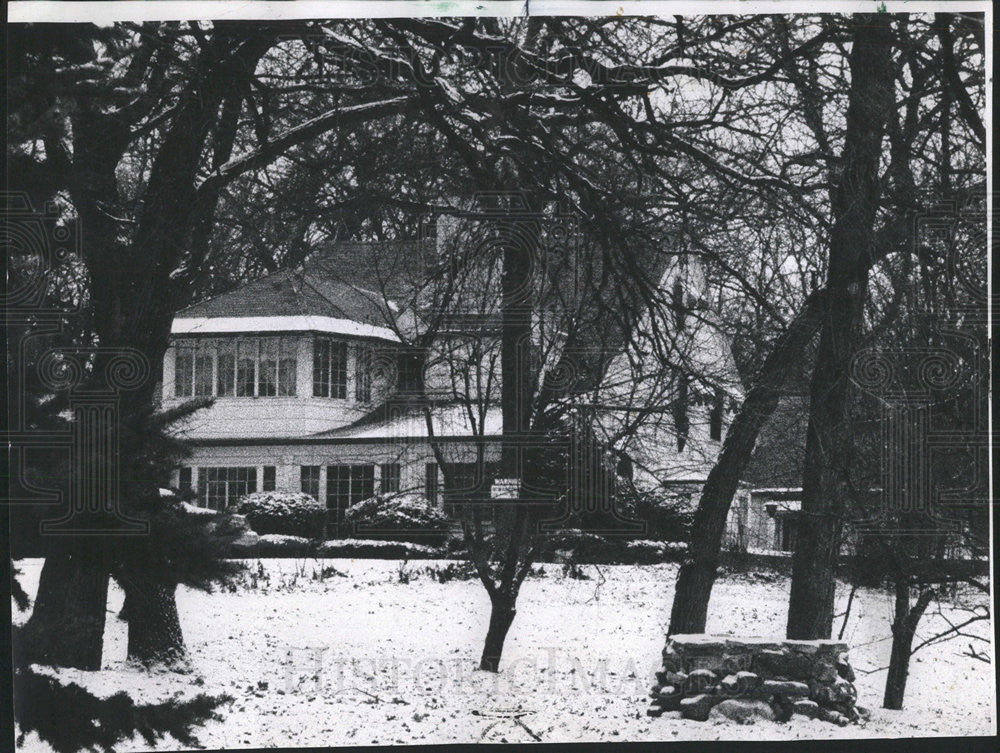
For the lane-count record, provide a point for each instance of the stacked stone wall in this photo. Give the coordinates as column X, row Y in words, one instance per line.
column 747, row 679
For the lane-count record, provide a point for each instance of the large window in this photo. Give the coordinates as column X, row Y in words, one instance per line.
column 245, row 367
column 786, row 530
column 310, row 481
column 329, row 368
column 218, row 488
column 193, row 369
column 345, row 486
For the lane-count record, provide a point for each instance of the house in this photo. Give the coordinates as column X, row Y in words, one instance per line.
column 310, row 371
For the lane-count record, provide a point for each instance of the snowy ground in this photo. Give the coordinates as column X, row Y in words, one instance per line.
column 365, row 659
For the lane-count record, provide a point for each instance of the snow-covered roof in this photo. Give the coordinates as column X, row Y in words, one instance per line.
column 389, row 424
column 311, row 298
column 300, row 323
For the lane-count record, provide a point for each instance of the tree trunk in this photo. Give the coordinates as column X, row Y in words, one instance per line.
column 154, row 628
column 697, row 574
column 904, row 626
column 502, row 613
column 854, row 200
column 66, row 627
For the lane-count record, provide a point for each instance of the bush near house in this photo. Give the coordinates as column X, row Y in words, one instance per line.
column 283, row 513
column 398, row 517
column 666, row 513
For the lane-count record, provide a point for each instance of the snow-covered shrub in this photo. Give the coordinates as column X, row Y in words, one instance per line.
column 369, row 549
column 288, row 513
column 584, row 546
column 398, row 517
column 283, row 545
column 646, row 552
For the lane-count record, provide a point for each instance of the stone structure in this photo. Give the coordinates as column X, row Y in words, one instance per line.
column 747, row 679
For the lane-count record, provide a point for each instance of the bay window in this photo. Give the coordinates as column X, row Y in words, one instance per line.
column 244, row 367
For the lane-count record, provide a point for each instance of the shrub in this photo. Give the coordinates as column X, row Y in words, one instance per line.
column 361, row 549
column 645, row 552
column 584, row 546
column 285, row 513
column 282, row 545
column 667, row 513
column 398, row 517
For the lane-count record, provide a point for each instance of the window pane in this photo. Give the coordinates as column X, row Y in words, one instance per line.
column 185, row 478
column 287, row 365
column 338, row 491
column 338, row 370
column 203, row 370
column 389, row 483
column 246, row 368
column 362, row 482
column 267, row 483
column 363, row 375
column 310, row 480
column 321, row 367
column 202, row 487
column 183, row 371
column 267, row 374
column 225, row 370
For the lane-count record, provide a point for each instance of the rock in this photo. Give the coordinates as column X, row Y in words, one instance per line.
column 751, row 645
column 864, row 712
column 740, row 684
column 844, row 668
column 674, row 678
column 822, row 693
column 844, row 691
column 742, row 711
column 785, row 687
column 829, row 715
column 805, row 707
column 825, row 672
column 783, row 664
column 664, row 691
column 733, row 662
column 698, row 707
column 820, row 647
column 672, row 661
column 700, row 681
column 669, row 702
column 748, row 680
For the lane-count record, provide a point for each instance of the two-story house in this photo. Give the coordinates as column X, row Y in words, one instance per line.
column 303, row 366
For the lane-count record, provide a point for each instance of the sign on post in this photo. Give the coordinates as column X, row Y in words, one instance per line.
column 506, row 488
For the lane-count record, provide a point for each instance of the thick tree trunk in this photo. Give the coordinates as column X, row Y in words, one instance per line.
column 697, row 574
column 904, row 626
column 854, row 200
column 502, row 613
column 154, row 628
column 66, row 627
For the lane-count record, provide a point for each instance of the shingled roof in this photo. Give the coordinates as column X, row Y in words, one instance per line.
column 340, row 280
